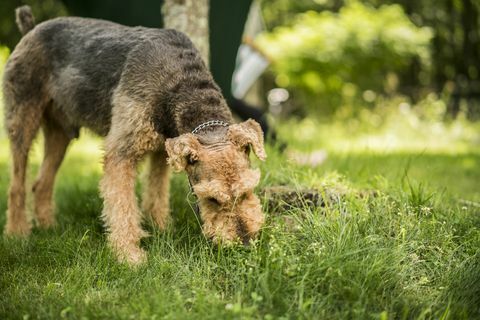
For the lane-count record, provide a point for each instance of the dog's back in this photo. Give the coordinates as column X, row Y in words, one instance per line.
column 79, row 62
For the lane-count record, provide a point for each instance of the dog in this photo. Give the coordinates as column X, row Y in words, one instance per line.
column 148, row 92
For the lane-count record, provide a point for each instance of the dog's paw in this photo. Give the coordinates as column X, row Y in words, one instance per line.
column 157, row 213
column 45, row 221
column 19, row 229
column 162, row 220
column 133, row 256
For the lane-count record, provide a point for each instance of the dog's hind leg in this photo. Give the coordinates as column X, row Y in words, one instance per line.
column 56, row 142
column 26, row 98
column 155, row 196
column 22, row 122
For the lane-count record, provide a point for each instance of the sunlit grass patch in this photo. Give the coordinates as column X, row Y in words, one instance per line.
column 399, row 130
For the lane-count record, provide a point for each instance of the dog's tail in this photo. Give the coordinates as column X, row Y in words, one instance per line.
column 24, row 18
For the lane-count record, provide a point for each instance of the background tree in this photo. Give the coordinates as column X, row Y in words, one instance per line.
column 191, row 18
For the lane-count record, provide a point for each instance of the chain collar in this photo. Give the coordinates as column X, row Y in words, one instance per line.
column 211, row 123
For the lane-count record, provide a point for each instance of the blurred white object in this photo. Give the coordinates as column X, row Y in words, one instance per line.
column 312, row 159
column 275, row 99
column 250, row 66
column 277, row 96
column 250, row 63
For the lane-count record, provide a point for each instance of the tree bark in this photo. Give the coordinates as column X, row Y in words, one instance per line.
column 191, row 18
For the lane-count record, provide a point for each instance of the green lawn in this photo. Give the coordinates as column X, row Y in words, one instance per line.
column 408, row 250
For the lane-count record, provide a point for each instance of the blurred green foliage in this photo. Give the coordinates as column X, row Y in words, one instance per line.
column 455, row 44
column 4, row 52
column 282, row 12
column 331, row 58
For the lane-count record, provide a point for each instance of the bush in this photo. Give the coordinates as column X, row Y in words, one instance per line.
column 332, row 58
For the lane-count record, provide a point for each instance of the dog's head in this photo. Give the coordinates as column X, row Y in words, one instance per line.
column 222, row 179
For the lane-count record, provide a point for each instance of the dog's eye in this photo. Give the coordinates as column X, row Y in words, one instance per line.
column 213, row 201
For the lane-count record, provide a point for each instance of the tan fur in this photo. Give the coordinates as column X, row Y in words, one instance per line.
column 131, row 136
column 56, row 142
column 22, row 129
column 132, row 133
column 155, row 200
column 181, row 150
column 221, row 171
column 120, row 211
column 17, row 221
column 248, row 133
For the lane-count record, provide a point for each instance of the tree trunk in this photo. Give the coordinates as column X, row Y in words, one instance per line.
column 191, row 18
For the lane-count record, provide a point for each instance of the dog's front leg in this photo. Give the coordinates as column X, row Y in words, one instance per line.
column 120, row 210
column 155, row 200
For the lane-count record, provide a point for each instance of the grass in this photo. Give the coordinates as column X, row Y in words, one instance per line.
column 409, row 250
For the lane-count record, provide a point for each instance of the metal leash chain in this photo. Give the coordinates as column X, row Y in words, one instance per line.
column 210, row 123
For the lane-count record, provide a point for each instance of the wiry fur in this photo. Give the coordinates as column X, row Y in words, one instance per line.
column 144, row 90
column 223, row 180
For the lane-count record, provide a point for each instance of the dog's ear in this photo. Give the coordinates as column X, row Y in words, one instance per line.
column 182, row 150
column 248, row 133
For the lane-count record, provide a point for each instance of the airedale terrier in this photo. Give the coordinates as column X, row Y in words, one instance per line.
column 150, row 94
